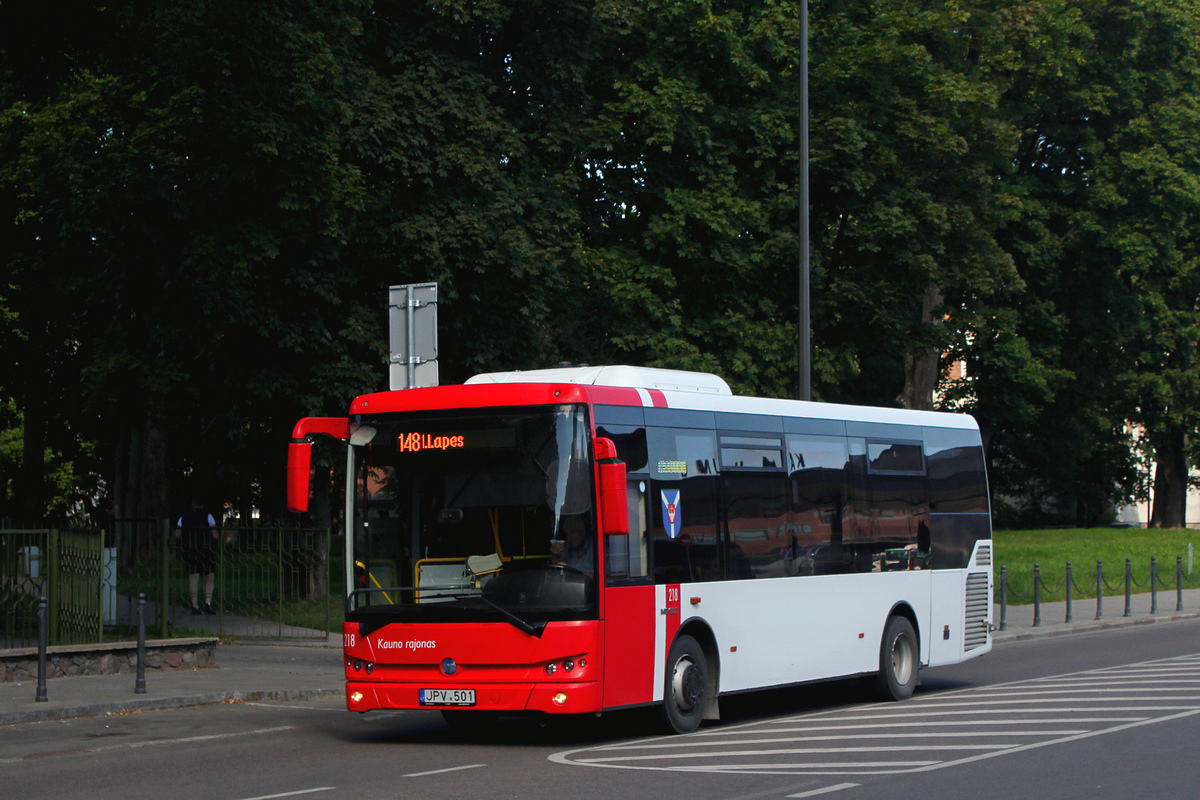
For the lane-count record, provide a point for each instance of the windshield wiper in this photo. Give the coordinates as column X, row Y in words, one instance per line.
column 535, row 629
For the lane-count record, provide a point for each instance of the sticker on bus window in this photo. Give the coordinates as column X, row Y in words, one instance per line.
column 672, row 518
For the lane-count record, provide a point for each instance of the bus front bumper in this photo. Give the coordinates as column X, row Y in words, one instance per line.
column 550, row 698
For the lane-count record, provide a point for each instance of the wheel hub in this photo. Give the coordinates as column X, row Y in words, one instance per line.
column 687, row 683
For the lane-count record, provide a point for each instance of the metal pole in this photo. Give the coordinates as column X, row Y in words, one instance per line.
column 1069, row 615
column 1003, row 598
column 165, row 579
column 1037, row 595
column 1179, row 583
column 1153, row 584
column 1128, row 587
column 1099, row 589
column 410, row 356
column 40, row 696
column 139, row 686
column 805, row 343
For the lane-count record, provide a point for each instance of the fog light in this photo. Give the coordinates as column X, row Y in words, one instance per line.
column 559, row 699
column 370, row 667
column 551, row 669
column 568, row 665
column 356, row 697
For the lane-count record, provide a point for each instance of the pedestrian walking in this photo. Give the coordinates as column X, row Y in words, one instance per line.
column 196, row 531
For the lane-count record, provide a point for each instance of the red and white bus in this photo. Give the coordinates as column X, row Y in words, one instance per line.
column 588, row 539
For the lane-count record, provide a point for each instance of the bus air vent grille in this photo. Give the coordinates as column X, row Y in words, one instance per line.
column 975, row 632
column 983, row 556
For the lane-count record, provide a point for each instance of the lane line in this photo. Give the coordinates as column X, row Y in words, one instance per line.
column 290, row 794
column 440, row 771
column 852, row 737
column 826, row 790
column 790, row 751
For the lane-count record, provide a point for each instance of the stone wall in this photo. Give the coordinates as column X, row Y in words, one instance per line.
column 114, row 658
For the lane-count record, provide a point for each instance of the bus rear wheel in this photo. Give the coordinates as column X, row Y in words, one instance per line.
column 686, row 690
column 899, row 661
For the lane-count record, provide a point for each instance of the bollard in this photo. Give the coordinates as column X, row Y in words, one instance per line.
column 1179, row 583
column 1069, row 579
column 1129, row 587
column 1153, row 584
column 40, row 695
column 1003, row 598
column 1099, row 588
column 1037, row 595
column 139, row 686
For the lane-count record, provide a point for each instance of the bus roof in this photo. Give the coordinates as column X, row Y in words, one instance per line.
column 674, row 380
column 701, row 391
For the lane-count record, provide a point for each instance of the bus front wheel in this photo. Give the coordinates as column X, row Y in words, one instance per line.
column 686, row 690
column 899, row 661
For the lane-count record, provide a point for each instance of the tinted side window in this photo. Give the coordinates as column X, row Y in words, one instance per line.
column 754, row 514
column 683, row 487
column 957, row 482
column 818, row 470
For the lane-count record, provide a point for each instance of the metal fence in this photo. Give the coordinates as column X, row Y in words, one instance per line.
column 270, row 582
column 1070, row 589
column 68, row 567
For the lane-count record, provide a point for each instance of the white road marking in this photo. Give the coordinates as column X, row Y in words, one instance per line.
column 440, row 771
column 942, row 730
column 826, row 790
column 290, row 794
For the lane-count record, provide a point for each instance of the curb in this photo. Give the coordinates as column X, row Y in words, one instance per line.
column 1091, row 626
column 163, row 703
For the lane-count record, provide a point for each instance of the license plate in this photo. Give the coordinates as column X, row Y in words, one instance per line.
column 447, row 697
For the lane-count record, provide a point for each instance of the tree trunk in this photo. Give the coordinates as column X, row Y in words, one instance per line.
column 318, row 572
column 31, row 491
column 140, row 488
column 1170, row 479
column 921, row 369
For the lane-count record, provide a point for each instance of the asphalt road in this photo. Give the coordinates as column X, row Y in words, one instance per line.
column 1109, row 715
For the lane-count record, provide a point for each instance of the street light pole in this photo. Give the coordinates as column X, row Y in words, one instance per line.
column 805, row 343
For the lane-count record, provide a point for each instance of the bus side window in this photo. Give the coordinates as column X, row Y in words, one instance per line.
column 819, row 468
column 754, row 506
column 683, row 470
column 628, row 556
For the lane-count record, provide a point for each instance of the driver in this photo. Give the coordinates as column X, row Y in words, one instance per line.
column 576, row 551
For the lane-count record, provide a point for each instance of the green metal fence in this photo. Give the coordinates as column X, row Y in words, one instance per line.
column 66, row 566
column 271, row 582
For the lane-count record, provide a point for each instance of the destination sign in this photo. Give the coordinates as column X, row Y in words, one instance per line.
column 421, row 442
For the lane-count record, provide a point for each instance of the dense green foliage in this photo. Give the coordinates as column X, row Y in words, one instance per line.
column 205, row 200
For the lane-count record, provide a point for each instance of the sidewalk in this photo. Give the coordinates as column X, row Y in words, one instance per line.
column 243, row 672
column 290, row 672
column 1083, row 614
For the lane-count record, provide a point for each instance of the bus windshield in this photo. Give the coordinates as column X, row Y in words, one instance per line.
column 474, row 516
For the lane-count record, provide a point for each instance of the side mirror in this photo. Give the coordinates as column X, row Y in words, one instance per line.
column 614, row 502
column 300, row 455
column 299, row 466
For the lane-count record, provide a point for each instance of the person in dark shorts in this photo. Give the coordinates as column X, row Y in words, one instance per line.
column 197, row 534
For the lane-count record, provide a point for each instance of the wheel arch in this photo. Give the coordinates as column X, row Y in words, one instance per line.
column 700, row 630
column 903, row 609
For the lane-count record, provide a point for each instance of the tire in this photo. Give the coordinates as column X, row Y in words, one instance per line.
column 685, row 693
column 899, row 661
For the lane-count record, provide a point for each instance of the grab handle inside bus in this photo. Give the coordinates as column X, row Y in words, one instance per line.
column 614, row 502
